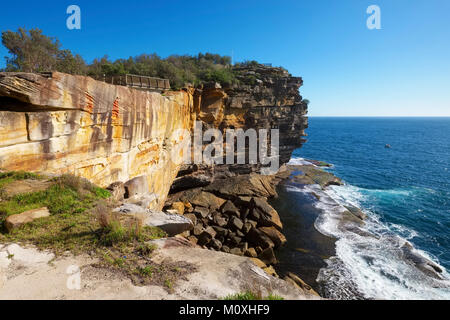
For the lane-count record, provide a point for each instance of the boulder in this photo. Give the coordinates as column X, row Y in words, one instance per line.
column 250, row 185
column 215, row 244
column 198, row 229
column 268, row 216
column 131, row 208
column 172, row 224
column 198, row 197
column 221, row 231
column 247, row 227
column 276, row 236
column 117, row 190
column 259, row 239
column 201, row 211
column 268, row 256
column 136, row 187
column 236, row 223
column 230, row 209
column 17, row 220
column 207, row 235
column 220, row 221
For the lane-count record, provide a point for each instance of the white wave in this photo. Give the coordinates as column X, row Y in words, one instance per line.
column 371, row 261
column 300, row 162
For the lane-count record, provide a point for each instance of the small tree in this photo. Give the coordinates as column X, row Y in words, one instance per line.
column 31, row 51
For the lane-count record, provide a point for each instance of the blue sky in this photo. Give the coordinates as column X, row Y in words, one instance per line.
column 348, row 70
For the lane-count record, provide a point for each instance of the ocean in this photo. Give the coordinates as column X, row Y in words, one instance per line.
column 404, row 190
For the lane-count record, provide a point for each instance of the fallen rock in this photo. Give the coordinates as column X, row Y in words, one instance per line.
column 202, row 211
column 17, row 220
column 206, row 236
column 230, row 209
column 198, row 197
column 25, row 186
column 236, row 223
column 276, row 236
column 259, row 239
column 268, row 216
column 250, row 185
column 136, row 187
column 172, row 224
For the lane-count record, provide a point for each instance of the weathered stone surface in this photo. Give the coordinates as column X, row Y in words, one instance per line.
column 230, row 209
column 206, row 236
column 25, row 186
column 252, row 185
column 117, row 190
column 259, row 238
column 268, row 215
column 102, row 132
column 17, row 220
column 198, row 197
column 203, row 212
column 13, row 128
column 236, row 223
column 314, row 175
column 293, row 278
column 172, row 224
column 276, row 236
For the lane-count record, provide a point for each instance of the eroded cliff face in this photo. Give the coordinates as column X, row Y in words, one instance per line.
column 71, row 124
column 59, row 123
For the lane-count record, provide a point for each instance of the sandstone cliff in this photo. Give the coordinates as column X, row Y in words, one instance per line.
column 59, row 123
column 72, row 124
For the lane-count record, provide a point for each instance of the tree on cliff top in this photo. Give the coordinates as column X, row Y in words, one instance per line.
column 32, row 51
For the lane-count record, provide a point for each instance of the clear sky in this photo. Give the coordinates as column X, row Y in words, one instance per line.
column 348, row 70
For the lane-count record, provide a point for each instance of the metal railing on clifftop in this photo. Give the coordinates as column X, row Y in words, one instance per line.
column 138, row 82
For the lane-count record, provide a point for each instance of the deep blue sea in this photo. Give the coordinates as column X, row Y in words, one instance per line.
column 405, row 189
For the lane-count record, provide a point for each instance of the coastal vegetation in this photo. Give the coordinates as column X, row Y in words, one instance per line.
column 81, row 221
column 32, row 51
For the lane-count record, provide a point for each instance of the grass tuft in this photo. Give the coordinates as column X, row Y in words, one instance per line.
column 249, row 295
